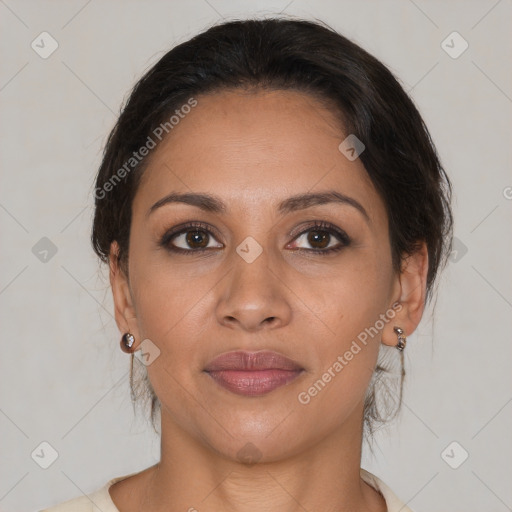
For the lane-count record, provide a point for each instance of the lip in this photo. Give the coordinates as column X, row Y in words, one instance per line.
column 252, row 373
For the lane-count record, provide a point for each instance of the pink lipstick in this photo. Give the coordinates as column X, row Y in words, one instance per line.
column 252, row 373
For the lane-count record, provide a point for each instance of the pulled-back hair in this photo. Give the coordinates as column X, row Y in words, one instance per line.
column 310, row 57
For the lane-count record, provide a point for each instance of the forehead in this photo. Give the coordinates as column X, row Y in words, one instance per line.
column 252, row 148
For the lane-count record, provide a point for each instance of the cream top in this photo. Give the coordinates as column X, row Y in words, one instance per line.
column 100, row 500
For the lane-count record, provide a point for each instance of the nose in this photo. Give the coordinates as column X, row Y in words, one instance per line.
column 254, row 296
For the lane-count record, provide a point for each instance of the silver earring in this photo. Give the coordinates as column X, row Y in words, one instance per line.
column 127, row 342
column 402, row 340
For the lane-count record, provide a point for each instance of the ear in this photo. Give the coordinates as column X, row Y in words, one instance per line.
column 126, row 318
column 412, row 284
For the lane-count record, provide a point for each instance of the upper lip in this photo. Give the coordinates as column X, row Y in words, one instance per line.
column 242, row 360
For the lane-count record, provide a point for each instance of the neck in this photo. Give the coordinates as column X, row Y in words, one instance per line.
column 193, row 477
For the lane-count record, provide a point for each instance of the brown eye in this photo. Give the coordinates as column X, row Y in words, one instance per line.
column 191, row 238
column 318, row 237
column 194, row 239
column 322, row 238
column 197, row 239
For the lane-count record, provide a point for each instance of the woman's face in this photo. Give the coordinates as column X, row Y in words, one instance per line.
column 255, row 276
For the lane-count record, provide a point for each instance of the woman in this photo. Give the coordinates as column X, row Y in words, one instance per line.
column 274, row 215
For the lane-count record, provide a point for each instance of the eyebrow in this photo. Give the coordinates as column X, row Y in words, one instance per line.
column 213, row 204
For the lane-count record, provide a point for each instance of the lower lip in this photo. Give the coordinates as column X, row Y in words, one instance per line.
column 253, row 383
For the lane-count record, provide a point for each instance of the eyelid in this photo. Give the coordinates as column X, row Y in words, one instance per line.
column 189, row 226
column 320, row 225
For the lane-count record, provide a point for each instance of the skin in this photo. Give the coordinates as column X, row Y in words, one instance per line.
column 253, row 150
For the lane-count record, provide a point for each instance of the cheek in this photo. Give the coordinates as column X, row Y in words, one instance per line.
column 170, row 313
column 175, row 304
column 351, row 307
column 174, row 311
column 165, row 293
column 346, row 361
column 350, row 298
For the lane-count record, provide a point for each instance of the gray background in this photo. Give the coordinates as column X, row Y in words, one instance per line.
column 64, row 379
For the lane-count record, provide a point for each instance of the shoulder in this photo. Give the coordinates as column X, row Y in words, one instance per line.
column 393, row 503
column 98, row 501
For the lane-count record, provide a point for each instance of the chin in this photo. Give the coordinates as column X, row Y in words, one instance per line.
column 250, row 438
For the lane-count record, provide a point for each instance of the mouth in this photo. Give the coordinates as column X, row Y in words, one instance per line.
column 252, row 373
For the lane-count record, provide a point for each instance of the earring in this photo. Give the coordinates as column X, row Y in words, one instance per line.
column 127, row 342
column 402, row 340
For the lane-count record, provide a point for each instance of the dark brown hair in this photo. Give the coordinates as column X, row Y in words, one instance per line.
column 307, row 56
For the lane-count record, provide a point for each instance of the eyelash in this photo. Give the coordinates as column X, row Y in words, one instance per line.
column 321, row 226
